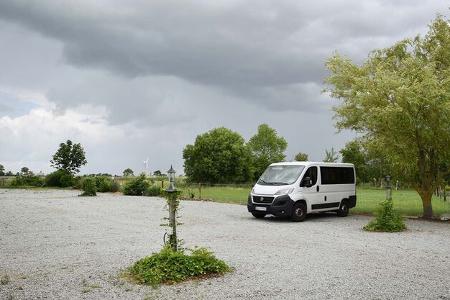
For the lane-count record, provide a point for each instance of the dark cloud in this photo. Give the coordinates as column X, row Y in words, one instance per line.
column 261, row 50
column 131, row 79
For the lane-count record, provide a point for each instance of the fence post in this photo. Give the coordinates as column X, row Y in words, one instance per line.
column 200, row 191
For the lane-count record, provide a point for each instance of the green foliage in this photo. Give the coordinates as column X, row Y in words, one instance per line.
column 387, row 219
column 331, row 155
column 398, row 100
column 88, row 185
column 266, row 147
column 59, row 178
column 218, row 156
column 170, row 266
column 136, row 186
column 105, row 184
column 128, row 172
column 2, row 170
column 301, row 157
column 69, row 157
column 27, row 180
column 154, row 190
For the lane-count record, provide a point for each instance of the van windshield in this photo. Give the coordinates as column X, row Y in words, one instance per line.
column 280, row 175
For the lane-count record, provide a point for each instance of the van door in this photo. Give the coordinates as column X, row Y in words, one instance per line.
column 310, row 189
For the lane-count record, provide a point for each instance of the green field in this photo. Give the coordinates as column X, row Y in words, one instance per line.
column 407, row 202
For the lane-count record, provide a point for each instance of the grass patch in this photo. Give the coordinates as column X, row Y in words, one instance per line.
column 406, row 202
column 387, row 219
column 168, row 267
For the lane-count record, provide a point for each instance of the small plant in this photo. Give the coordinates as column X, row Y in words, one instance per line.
column 136, row 186
column 154, row 190
column 4, row 279
column 387, row 219
column 169, row 266
column 89, row 187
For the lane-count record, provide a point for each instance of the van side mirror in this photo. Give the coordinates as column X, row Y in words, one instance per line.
column 306, row 182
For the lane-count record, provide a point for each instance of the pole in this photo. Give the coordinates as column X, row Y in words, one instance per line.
column 173, row 221
column 388, row 188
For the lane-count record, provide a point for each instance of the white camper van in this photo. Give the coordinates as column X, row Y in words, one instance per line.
column 294, row 189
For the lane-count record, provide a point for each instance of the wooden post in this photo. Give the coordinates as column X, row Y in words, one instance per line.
column 200, row 191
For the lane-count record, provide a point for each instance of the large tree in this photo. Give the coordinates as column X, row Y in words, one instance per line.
column 399, row 100
column 69, row 157
column 128, row 172
column 266, row 148
column 218, row 156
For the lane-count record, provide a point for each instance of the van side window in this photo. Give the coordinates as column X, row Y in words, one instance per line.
column 337, row 175
column 311, row 173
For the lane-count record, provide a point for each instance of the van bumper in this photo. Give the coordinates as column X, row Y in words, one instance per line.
column 280, row 207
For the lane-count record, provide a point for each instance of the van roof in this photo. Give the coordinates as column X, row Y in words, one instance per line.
column 309, row 163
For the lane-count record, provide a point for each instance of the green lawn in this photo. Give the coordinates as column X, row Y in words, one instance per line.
column 407, row 202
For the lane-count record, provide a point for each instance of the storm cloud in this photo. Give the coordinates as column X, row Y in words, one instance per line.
column 194, row 65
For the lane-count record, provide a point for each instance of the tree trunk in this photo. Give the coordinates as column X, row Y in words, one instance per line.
column 426, row 196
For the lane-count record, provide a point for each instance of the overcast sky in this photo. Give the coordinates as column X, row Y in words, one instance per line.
column 137, row 79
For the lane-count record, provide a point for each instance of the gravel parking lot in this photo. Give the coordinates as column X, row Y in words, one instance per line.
column 56, row 245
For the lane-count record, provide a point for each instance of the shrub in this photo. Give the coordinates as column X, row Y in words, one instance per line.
column 59, row 178
column 136, row 186
column 170, row 266
column 387, row 219
column 153, row 190
column 89, row 187
column 106, row 184
column 27, row 180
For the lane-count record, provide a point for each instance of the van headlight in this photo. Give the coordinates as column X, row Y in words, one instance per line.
column 285, row 191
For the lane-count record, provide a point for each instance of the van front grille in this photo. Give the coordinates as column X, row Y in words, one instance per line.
column 262, row 199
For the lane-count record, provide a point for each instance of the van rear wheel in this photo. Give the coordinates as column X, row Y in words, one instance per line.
column 343, row 209
column 258, row 215
column 298, row 212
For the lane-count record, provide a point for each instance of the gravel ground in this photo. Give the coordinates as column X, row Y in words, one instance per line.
column 56, row 245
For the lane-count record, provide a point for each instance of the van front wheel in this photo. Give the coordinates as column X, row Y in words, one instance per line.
column 343, row 209
column 299, row 212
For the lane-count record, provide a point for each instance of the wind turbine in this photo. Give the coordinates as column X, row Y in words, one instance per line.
column 146, row 166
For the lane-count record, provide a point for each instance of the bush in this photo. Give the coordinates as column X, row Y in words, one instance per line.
column 387, row 219
column 136, row 186
column 153, row 190
column 106, row 184
column 89, row 187
column 170, row 266
column 27, row 180
column 59, row 178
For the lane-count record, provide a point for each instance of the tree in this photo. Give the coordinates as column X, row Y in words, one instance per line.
column 398, row 100
column 331, row 156
column 25, row 171
column 2, row 170
column 266, row 147
column 301, row 157
column 128, row 172
column 218, row 156
column 69, row 157
column 354, row 153
column 157, row 173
